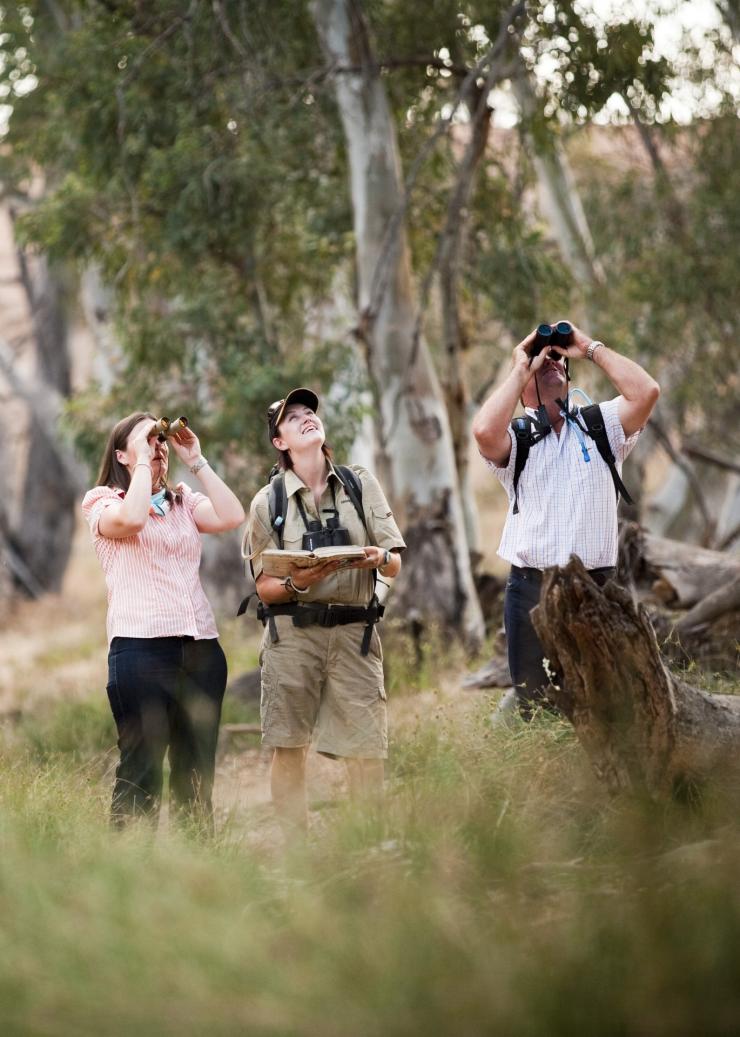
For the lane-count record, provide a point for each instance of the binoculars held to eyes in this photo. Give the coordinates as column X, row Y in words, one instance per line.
column 164, row 428
column 330, row 535
column 548, row 335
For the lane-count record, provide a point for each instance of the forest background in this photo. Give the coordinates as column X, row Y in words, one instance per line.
column 208, row 203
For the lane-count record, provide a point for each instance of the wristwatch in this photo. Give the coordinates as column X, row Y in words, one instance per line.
column 386, row 559
column 593, row 346
column 291, row 587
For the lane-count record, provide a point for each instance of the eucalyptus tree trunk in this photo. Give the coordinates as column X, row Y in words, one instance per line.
column 416, row 462
column 561, row 201
column 37, row 520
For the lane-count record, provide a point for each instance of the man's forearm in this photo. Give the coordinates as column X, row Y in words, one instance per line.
column 491, row 424
column 638, row 390
column 632, row 381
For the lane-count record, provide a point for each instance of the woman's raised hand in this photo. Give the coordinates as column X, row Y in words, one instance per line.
column 142, row 440
column 186, row 445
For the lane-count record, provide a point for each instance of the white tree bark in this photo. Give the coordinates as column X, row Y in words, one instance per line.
column 559, row 197
column 417, row 463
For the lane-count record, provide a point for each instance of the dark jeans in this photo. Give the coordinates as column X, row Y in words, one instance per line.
column 525, row 651
column 165, row 692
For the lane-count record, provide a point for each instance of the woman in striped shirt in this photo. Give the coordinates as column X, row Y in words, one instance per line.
column 166, row 669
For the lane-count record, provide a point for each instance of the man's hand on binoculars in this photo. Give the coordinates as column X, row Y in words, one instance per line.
column 577, row 348
column 521, row 359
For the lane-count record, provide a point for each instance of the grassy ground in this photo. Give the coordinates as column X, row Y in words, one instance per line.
column 501, row 892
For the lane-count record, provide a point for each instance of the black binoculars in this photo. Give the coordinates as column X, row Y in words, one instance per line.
column 548, row 335
column 330, row 535
column 164, row 427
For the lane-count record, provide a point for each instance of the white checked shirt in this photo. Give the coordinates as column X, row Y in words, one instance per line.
column 566, row 505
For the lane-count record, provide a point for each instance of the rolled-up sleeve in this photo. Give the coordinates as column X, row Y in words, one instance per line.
column 505, row 473
column 382, row 526
column 94, row 504
column 258, row 536
column 621, row 446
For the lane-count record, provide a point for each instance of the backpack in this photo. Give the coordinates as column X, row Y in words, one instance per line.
column 529, row 431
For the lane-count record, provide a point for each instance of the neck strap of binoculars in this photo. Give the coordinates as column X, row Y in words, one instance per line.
column 333, row 509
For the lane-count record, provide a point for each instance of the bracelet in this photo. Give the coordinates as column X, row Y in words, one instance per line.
column 592, row 349
column 386, row 559
column 290, row 586
column 200, row 463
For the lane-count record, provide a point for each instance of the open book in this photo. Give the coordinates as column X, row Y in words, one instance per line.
column 279, row 563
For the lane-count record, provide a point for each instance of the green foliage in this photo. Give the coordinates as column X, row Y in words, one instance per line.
column 204, row 190
column 670, row 248
column 590, row 59
column 194, row 155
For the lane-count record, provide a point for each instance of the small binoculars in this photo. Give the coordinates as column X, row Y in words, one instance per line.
column 330, row 535
column 164, row 428
column 548, row 335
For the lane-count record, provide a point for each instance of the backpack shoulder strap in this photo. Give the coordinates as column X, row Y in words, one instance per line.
column 522, row 429
column 594, row 421
column 353, row 485
column 277, row 504
column 278, row 507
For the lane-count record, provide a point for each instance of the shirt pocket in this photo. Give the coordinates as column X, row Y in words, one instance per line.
column 384, row 528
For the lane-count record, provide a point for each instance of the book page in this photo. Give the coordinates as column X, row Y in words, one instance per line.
column 279, row 563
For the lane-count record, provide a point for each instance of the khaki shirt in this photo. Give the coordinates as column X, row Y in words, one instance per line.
column 346, row 586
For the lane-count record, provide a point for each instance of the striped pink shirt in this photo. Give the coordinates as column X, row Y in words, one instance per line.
column 566, row 505
column 153, row 582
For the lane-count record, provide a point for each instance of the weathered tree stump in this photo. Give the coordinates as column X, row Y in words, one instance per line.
column 642, row 728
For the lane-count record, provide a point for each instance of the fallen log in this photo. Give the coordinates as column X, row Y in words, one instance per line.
column 726, row 598
column 680, row 574
column 495, row 674
column 643, row 728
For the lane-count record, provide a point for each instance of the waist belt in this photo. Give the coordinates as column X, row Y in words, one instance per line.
column 316, row 614
column 523, row 570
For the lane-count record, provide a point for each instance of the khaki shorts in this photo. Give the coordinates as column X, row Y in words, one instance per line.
column 317, row 686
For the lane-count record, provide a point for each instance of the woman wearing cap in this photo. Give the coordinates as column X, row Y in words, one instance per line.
column 322, row 671
column 166, row 669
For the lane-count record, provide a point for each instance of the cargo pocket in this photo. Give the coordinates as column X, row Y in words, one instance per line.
column 267, row 698
column 376, row 647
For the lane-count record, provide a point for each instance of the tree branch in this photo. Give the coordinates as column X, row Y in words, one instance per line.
column 675, row 455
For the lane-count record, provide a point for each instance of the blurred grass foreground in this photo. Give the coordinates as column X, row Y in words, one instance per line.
column 502, row 893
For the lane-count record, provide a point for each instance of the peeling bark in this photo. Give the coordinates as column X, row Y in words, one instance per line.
column 643, row 729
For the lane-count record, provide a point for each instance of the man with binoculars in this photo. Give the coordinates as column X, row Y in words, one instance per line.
column 560, row 466
column 321, row 658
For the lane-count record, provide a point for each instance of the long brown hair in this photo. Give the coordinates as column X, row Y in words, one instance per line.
column 112, row 472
